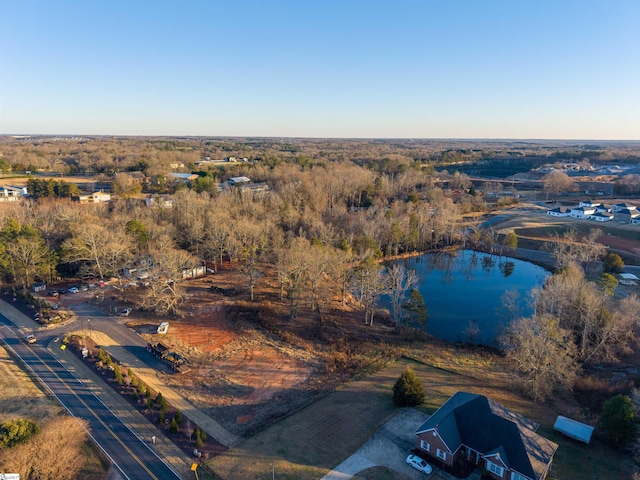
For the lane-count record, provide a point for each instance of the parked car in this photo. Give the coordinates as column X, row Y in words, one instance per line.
column 30, row 339
column 53, row 293
column 62, row 291
column 74, row 290
column 419, row 464
column 125, row 312
column 84, row 288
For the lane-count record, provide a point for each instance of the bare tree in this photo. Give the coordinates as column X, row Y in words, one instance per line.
column 253, row 241
column 367, row 285
column 168, row 271
column 399, row 281
column 56, row 452
column 30, row 258
column 557, row 181
column 543, row 352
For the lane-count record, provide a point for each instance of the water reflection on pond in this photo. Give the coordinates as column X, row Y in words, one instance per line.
column 464, row 292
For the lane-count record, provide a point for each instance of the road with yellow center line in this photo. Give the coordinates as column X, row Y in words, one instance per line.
column 130, row 454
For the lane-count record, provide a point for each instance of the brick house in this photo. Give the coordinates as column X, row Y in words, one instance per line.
column 472, row 428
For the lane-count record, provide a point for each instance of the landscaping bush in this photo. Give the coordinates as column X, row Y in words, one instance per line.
column 408, row 391
column 174, row 426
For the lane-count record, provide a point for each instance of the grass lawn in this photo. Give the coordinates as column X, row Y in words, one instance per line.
column 311, row 442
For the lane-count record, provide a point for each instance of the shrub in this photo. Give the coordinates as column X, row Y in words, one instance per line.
column 613, row 263
column 197, row 436
column 408, row 391
column 13, row 432
column 101, row 355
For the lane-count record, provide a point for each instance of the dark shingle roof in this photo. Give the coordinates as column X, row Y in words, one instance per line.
column 488, row 427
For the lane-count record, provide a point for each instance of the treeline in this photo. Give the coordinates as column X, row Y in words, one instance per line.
column 157, row 156
column 315, row 224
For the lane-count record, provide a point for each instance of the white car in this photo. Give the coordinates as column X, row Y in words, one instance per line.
column 74, row 290
column 30, row 339
column 125, row 312
column 419, row 464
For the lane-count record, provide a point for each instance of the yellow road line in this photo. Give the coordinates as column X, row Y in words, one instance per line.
column 135, row 457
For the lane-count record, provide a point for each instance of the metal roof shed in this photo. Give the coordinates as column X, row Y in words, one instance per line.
column 574, row 429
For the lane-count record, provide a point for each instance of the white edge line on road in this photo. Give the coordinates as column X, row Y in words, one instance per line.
column 65, row 407
column 112, row 413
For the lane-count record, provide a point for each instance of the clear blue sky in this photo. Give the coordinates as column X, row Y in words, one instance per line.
column 323, row 68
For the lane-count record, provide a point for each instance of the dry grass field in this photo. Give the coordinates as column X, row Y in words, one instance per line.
column 22, row 397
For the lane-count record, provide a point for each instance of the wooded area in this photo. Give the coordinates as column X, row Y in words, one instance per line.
column 333, row 210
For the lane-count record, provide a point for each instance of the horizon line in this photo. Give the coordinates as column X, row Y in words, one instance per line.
column 503, row 139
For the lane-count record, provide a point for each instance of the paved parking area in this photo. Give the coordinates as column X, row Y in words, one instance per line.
column 387, row 448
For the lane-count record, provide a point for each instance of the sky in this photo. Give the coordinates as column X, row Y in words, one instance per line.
column 543, row 69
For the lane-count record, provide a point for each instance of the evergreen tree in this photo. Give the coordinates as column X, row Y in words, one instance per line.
column 178, row 416
column 619, row 421
column 174, row 426
column 408, row 391
column 416, row 309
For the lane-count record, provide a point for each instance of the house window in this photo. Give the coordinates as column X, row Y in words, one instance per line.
column 493, row 468
column 517, row 476
column 441, row 454
column 425, row 446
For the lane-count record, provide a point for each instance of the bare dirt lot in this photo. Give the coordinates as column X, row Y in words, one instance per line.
column 236, row 369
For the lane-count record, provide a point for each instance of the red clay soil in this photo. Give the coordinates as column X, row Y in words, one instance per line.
column 207, row 329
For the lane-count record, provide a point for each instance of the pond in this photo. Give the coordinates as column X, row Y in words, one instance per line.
column 465, row 292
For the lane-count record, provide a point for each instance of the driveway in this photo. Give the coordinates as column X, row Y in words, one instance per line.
column 387, row 448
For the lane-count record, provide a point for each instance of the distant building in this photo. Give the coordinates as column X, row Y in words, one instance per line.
column 622, row 206
column 558, row 212
column 628, row 279
column 182, row 177
column 581, row 212
column 12, row 194
column 601, row 217
column 627, row 215
column 163, row 201
column 238, row 181
column 96, row 197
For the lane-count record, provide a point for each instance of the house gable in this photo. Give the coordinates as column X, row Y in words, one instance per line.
column 504, row 438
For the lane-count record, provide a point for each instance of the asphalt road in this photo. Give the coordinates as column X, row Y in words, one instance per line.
column 132, row 457
column 91, row 317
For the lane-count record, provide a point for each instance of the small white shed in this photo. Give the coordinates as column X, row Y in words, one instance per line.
column 573, row 429
column 628, row 279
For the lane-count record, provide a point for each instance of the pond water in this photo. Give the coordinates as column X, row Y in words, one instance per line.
column 464, row 292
